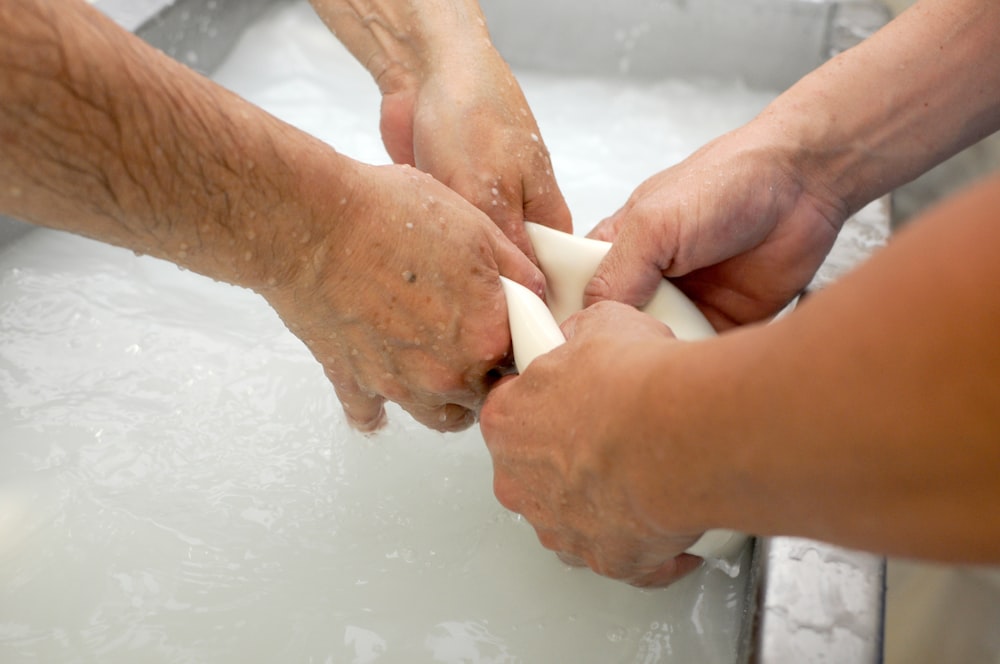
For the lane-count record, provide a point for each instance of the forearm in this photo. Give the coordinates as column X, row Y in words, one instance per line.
column 398, row 40
column 106, row 137
column 881, row 113
column 868, row 417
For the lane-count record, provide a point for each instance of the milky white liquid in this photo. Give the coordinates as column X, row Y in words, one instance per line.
column 178, row 484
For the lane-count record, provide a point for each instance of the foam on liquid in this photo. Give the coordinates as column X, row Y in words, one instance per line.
column 177, row 482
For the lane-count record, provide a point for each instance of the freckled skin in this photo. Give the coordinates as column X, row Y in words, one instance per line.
column 106, row 137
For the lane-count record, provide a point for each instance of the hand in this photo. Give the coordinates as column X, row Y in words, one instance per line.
column 451, row 106
column 390, row 278
column 734, row 226
column 570, row 454
column 405, row 304
column 470, row 127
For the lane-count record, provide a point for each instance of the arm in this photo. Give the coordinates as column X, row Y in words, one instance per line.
column 452, row 107
column 880, row 114
column 743, row 224
column 106, row 137
column 872, row 420
column 867, row 417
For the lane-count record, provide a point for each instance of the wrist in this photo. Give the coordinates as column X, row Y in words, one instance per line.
column 298, row 218
column 814, row 167
column 401, row 44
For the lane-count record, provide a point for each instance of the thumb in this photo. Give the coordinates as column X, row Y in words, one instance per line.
column 514, row 264
column 550, row 209
column 627, row 274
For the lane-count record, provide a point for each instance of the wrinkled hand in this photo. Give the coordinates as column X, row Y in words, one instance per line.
column 402, row 301
column 570, row 453
column 734, row 226
column 470, row 127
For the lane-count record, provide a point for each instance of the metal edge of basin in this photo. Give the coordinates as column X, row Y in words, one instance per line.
column 198, row 33
column 806, row 600
column 817, row 602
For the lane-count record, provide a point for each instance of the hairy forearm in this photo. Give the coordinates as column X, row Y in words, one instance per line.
column 397, row 40
column 869, row 416
column 104, row 136
column 881, row 113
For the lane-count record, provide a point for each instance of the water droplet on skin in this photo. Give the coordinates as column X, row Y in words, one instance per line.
column 355, row 454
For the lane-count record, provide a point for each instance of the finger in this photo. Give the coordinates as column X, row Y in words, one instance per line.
column 395, row 114
column 548, row 208
column 365, row 411
column 492, row 416
column 502, row 201
column 362, row 407
column 515, row 264
column 606, row 229
column 570, row 559
column 603, row 314
column 630, row 273
column 668, row 572
column 553, row 541
column 544, row 202
column 511, row 222
column 447, row 418
column 448, row 378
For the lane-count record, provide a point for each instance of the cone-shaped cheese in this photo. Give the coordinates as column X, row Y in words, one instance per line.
column 568, row 263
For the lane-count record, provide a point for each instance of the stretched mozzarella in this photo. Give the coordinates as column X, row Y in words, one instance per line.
column 533, row 330
column 568, row 263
